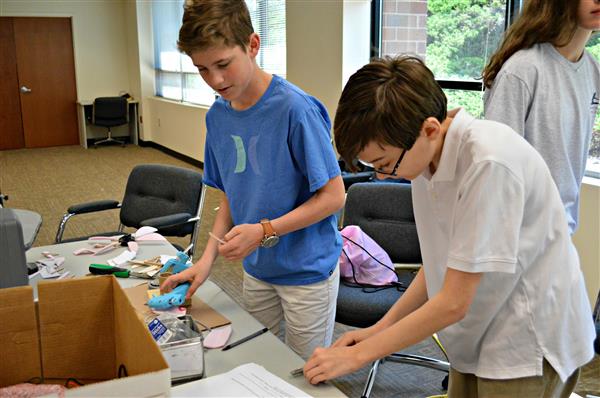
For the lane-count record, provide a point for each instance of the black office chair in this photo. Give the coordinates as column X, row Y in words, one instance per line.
column 384, row 212
column 110, row 112
column 168, row 198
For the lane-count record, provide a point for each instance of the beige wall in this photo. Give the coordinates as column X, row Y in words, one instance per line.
column 99, row 40
column 587, row 237
column 177, row 126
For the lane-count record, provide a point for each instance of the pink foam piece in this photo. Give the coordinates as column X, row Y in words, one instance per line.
column 217, row 338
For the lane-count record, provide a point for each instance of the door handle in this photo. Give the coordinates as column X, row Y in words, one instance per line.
column 25, row 89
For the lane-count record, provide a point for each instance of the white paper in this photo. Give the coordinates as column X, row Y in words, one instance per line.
column 122, row 258
column 248, row 381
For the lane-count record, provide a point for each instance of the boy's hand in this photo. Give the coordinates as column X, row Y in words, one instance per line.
column 241, row 240
column 328, row 363
column 196, row 275
column 353, row 337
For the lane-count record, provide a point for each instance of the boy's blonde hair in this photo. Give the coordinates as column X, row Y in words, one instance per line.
column 208, row 23
column 386, row 101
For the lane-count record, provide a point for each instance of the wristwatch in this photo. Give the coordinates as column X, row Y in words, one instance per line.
column 271, row 238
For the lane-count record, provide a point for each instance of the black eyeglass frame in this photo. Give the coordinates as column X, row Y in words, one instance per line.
column 393, row 172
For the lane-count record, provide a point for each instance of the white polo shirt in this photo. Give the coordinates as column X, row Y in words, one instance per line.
column 492, row 207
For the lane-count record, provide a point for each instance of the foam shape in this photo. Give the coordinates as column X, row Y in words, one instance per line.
column 218, row 337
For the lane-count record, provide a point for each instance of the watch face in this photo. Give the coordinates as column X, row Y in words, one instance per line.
column 270, row 241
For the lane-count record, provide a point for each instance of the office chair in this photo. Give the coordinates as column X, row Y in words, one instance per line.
column 110, row 112
column 384, row 212
column 166, row 197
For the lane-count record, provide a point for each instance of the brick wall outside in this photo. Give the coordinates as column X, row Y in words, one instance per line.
column 404, row 27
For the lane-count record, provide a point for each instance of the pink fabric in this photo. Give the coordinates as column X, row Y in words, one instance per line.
column 367, row 270
column 26, row 390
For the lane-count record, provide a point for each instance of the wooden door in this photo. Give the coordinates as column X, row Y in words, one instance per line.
column 46, row 70
column 11, row 129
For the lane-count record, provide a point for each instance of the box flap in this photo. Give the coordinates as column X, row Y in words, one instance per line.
column 77, row 328
column 135, row 347
column 19, row 344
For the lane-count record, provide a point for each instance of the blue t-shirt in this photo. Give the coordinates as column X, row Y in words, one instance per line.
column 269, row 159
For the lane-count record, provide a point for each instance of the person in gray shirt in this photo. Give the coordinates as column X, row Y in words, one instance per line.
column 546, row 86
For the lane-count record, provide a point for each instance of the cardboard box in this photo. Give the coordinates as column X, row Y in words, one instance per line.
column 82, row 328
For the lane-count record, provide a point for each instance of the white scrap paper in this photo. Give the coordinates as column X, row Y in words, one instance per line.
column 121, row 258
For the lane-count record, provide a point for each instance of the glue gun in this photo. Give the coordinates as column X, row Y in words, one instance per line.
column 177, row 264
column 174, row 298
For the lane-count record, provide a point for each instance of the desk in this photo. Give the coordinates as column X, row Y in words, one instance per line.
column 265, row 350
column 88, row 131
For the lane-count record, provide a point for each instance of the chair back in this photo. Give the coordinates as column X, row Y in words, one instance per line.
column 110, row 111
column 384, row 212
column 156, row 190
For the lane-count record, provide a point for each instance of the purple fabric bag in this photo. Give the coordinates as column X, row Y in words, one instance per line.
column 375, row 269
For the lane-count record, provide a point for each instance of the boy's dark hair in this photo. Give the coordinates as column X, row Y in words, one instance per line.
column 208, row 23
column 386, row 101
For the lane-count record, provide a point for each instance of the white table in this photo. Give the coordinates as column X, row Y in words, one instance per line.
column 266, row 350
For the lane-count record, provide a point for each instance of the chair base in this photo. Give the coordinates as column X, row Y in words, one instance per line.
column 410, row 359
column 109, row 140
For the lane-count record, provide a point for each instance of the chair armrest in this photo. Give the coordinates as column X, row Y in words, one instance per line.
column 82, row 208
column 91, row 207
column 171, row 220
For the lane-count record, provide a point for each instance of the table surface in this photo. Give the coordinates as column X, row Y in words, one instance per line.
column 266, row 350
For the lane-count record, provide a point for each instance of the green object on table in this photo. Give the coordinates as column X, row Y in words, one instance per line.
column 104, row 269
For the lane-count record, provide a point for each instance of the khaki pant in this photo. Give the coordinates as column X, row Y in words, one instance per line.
column 308, row 310
column 465, row 385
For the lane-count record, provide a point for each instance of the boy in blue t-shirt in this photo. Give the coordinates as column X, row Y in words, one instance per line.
column 268, row 150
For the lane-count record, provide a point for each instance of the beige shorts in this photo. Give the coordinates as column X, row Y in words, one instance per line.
column 465, row 385
column 308, row 310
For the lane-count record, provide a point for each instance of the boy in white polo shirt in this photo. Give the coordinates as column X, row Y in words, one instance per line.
column 500, row 280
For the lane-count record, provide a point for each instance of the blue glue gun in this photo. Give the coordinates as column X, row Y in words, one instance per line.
column 174, row 298
column 177, row 264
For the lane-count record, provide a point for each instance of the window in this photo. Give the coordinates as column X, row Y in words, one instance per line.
column 176, row 76
column 455, row 38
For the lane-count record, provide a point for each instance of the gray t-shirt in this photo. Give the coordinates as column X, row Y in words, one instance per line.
column 552, row 102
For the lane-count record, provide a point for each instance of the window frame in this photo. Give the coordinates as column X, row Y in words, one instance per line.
column 512, row 9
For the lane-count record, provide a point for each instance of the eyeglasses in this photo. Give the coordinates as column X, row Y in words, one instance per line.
column 379, row 171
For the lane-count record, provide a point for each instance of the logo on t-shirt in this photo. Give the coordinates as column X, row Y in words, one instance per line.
column 594, row 105
column 241, row 157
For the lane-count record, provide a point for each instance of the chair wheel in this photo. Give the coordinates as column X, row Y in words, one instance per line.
column 445, row 383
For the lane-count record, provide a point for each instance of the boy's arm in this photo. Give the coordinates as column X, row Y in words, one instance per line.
column 326, row 201
column 414, row 297
column 198, row 273
column 246, row 238
column 447, row 307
